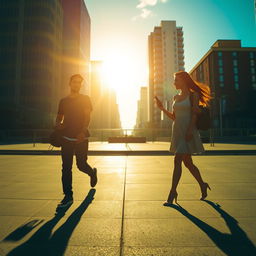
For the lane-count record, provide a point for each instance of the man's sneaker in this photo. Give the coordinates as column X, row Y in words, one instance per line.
column 66, row 201
column 94, row 178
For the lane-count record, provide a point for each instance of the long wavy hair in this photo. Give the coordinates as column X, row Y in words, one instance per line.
column 202, row 89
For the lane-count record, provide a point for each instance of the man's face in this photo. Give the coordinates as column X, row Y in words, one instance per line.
column 75, row 84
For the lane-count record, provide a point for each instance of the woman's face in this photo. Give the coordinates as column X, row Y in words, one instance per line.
column 179, row 83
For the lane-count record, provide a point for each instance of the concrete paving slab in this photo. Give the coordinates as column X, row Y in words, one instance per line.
column 159, row 192
column 126, row 214
column 57, row 233
column 92, row 251
column 148, row 178
column 173, row 251
column 238, row 208
column 155, row 210
column 10, row 249
column 98, row 209
column 9, row 224
column 29, row 207
column 248, row 227
column 169, row 232
column 30, row 191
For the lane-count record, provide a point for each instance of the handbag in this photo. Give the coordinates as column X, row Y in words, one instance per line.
column 203, row 120
column 56, row 138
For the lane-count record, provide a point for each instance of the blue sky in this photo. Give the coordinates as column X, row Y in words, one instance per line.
column 125, row 24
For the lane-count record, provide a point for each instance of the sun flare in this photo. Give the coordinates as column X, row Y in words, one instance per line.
column 115, row 71
column 120, row 72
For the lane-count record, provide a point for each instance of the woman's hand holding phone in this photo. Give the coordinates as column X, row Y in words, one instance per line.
column 159, row 103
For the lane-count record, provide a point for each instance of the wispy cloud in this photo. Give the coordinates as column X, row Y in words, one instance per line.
column 144, row 3
column 145, row 12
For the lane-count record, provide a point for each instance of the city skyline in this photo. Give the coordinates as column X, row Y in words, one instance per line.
column 120, row 30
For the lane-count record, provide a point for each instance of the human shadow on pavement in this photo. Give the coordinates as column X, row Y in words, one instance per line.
column 22, row 231
column 44, row 243
column 234, row 244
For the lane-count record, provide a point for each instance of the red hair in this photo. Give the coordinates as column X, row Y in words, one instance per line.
column 202, row 89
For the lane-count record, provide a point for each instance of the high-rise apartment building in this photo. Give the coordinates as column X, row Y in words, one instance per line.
column 30, row 50
column 142, row 109
column 76, row 42
column 166, row 56
column 255, row 11
column 230, row 71
column 105, row 113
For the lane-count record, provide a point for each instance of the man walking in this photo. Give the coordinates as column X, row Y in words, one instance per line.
column 73, row 119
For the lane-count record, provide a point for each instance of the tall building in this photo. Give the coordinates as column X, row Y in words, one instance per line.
column 30, row 68
column 76, row 42
column 166, row 56
column 230, row 71
column 255, row 11
column 105, row 113
column 142, row 109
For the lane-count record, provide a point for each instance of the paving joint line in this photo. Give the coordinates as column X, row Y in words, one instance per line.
column 122, row 221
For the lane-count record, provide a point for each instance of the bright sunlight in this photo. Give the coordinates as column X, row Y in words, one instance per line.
column 121, row 70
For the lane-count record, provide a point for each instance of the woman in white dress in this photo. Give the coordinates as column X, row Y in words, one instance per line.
column 185, row 139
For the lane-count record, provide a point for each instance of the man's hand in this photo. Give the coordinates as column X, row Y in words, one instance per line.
column 80, row 137
column 59, row 126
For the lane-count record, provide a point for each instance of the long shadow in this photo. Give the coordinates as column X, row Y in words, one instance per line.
column 23, row 230
column 44, row 243
column 234, row 244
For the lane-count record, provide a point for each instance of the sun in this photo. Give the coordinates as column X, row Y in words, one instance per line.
column 121, row 71
column 116, row 69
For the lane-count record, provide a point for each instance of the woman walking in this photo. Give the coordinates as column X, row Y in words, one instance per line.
column 185, row 139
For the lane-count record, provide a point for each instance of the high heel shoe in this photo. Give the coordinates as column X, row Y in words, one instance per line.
column 172, row 196
column 204, row 190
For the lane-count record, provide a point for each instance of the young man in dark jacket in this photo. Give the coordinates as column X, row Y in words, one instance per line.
column 72, row 120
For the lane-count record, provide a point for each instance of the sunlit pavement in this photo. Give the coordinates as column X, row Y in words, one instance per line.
column 126, row 215
column 149, row 148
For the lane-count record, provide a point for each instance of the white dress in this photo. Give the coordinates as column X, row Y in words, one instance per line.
column 182, row 111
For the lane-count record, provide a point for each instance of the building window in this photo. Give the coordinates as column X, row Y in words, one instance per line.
column 252, row 70
column 251, row 55
column 234, row 54
column 252, row 62
column 220, row 63
column 235, row 70
column 236, row 78
column 237, row 86
column 221, row 84
column 254, row 78
column 220, row 54
column 224, row 106
column 221, row 78
column 235, row 62
column 221, row 70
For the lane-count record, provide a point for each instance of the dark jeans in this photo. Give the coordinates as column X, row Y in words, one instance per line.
column 68, row 150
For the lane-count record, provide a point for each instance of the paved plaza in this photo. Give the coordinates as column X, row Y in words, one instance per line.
column 124, row 214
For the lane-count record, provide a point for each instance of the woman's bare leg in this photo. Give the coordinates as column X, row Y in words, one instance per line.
column 175, row 178
column 177, row 171
column 188, row 162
